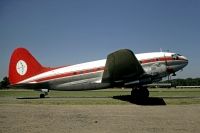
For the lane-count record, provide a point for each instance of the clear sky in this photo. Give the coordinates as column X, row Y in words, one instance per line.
column 61, row 32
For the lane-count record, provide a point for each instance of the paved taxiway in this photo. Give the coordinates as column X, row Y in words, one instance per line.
column 99, row 118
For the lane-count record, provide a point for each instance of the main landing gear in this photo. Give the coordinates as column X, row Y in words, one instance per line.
column 140, row 92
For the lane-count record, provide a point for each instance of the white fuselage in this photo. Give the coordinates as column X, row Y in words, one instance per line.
column 74, row 77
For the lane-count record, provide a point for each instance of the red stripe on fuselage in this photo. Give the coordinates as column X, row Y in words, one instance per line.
column 86, row 71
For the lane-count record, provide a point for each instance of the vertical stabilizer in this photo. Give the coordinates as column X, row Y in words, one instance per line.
column 22, row 66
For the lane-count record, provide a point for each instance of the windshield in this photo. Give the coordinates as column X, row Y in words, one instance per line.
column 175, row 56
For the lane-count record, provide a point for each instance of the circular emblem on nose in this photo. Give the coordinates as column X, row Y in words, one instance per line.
column 21, row 67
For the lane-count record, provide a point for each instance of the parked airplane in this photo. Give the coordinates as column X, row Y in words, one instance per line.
column 121, row 69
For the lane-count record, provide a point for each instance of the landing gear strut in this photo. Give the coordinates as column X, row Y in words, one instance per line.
column 140, row 92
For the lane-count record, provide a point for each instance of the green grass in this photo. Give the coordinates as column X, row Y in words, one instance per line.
column 100, row 97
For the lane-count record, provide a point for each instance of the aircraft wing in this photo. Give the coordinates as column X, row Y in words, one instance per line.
column 121, row 67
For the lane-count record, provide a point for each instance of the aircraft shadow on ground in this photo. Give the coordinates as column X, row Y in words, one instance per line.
column 146, row 101
column 30, row 97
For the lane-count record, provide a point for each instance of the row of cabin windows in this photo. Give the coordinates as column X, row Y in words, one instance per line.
column 86, row 71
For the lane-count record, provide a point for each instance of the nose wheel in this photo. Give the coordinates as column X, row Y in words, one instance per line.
column 140, row 92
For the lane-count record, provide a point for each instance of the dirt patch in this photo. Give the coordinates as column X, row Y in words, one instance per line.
column 99, row 118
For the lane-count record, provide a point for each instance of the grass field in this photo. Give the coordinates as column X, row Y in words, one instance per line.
column 100, row 97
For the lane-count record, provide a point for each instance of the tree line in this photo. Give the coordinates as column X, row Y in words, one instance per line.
column 185, row 82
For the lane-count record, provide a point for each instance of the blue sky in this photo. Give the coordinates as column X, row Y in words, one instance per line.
column 61, row 32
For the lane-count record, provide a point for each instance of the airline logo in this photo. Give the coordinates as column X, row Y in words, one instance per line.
column 21, row 67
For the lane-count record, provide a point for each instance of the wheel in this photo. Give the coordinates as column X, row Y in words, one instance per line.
column 140, row 93
column 42, row 96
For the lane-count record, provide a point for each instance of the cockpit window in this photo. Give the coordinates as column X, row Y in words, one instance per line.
column 175, row 56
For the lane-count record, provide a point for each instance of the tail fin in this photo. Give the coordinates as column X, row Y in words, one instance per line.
column 22, row 66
